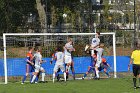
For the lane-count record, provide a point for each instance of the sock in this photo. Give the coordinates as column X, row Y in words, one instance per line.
column 97, row 74
column 31, row 76
column 139, row 81
column 33, row 79
column 85, row 75
column 65, row 76
column 107, row 74
column 69, row 68
column 73, row 74
column 43, row 76
column 36, row 80
column 24, row 78
column 53, row 77
column 134, row 81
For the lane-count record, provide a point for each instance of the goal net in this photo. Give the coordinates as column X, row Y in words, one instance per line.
column 16, row 46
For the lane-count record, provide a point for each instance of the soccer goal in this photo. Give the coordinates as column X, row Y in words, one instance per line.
column 16, row 46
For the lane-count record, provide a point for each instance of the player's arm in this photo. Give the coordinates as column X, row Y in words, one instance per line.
column 27, row 60
column 53, row 58
column 131, row 61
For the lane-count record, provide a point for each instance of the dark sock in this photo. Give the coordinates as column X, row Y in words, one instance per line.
column 134, row 81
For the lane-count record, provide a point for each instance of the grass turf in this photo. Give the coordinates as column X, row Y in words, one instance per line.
column 119, row 85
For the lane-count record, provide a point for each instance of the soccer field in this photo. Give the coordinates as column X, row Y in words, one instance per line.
column 78, row 86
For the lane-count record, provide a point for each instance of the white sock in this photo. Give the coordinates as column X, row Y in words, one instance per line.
column 43, row 76
column 65, row 76
column 69, row 68
column 33, row 78
column 53, row 77
column 97, row 74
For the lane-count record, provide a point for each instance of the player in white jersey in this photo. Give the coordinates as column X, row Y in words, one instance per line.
column 59, row 56
column 95, row 47
column 68, row 48
column 99, row 59
column 95, row 43
column 38, row 62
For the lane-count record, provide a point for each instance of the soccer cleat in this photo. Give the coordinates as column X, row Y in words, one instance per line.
column 135, row 87
column 36, row 82
column 83, row 78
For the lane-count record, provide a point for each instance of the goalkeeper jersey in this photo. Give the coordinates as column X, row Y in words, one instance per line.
column 136, row 57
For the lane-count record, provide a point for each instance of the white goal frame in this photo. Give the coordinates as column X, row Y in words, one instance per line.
column 46, row 34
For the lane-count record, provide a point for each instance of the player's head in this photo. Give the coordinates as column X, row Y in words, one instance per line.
column 36, row 49
column 137, row 44
column 97, row 34
column 30, row 48
column 59, row 49
column 69, row 40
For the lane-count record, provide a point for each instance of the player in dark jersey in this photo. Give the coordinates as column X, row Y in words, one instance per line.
column 29, row 64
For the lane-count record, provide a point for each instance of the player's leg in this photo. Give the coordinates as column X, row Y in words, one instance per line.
column 63, row 70
column 72, row 69
column 32, row 70
column 27, row 73
column 139, row 75
column 54, row 71
column 106, row 71
column 89, row 70
column 97, row 65
column 135, row 73
column 57, row 74
column 37, row 68
column 43, row 73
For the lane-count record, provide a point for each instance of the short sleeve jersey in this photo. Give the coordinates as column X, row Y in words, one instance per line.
column 68, row 45
column 59, row 58
column 95, row 42
column 38, row 58
column 136, row 57
column 29, row 56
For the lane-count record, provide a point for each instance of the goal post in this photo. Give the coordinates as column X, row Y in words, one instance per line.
column 5, row 35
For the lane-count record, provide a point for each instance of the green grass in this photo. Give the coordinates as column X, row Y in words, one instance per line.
column 78, row 86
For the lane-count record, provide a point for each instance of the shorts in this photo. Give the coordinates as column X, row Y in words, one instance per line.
column 136, row 69
column 68, row 59
column 97, row 64
column 29, row 68
column 57, row 67
column 38, row 68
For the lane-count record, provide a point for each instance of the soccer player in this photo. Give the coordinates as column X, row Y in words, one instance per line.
column 38, row 62
column 135, row 60
column 91, row 67
column 59, row 55
column 98, row 59
column 53, row 59
column 95, row 47
column 68, row 48
column 104, row 66
column 95, row 43
column 29, row 64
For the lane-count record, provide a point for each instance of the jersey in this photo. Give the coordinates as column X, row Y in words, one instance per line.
column 95, row 42
column 29, row 56
column 99, row 51
column 136, row 57
column 38, row 58
column 68, row 52
column 59, row 58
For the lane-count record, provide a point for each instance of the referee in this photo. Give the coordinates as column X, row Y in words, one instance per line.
column 135, row 60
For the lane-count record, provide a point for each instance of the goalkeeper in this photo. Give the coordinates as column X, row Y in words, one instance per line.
column 135, row 60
